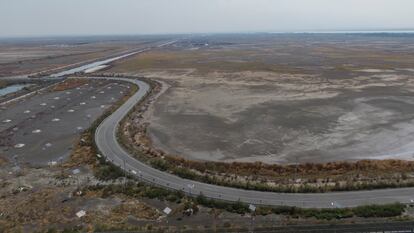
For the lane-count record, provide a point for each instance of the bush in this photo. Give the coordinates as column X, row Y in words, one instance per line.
column 185, row 173
column 327, row 214
column 389, row 210
column 236, row 207
column 108, row 171
column 160, row 164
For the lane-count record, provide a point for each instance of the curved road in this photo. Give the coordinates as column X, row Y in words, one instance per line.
column 107, row 143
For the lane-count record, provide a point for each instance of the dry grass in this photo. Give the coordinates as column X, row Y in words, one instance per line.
column 202, row 62
column 136, row 209
column 3, row 160
column 83, row 154
column 39, row 209
column 69, row 84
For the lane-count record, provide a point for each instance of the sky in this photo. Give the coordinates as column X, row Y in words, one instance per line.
column 130, row 17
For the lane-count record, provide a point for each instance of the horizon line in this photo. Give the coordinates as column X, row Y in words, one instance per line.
column 319, row 31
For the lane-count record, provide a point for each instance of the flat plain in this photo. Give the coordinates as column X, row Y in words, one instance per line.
column 282, row 99
column 31, row 56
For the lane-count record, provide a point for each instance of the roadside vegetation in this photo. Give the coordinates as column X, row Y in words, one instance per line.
column 106, row 171
column 87, row 152
column 69, row 84
column 142, row 190
column 295, row 178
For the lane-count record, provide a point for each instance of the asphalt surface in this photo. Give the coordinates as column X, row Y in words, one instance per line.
column 107, row 143
column 41, row 129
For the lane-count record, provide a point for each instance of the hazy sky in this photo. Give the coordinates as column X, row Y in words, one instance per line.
column 91, row 17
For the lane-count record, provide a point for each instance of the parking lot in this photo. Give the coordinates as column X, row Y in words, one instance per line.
column 42, row 129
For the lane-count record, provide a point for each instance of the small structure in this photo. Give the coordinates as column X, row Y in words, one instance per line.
column 81, row 213
column 76, row 171
column 167, row 210
column 252, row 207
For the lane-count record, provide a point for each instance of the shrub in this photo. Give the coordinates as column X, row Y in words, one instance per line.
column 160, row 164
column 108, row 171
column 185, row 173
column 389, row 210
column 236, row 207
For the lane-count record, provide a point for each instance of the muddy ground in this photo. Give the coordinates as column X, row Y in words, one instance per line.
column 283, row 98
column 29, row 56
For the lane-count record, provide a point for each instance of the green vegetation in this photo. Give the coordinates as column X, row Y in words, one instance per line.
column 187, row 173
column 139, row 189
column 107, row 171
column 234, row 207
column 368, row 211
column 390, row 210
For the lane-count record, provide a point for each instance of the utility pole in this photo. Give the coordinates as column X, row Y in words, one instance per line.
column 125, row 174
column 16, row 163
column 252, row 216
column 214, row 219
column 190, row 187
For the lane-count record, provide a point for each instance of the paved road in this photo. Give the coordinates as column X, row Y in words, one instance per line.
column 106, row 141
column 108, row 145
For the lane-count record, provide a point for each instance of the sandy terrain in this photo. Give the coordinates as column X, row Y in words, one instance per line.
column 339, row 98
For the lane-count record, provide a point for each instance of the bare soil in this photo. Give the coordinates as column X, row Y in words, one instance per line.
column 282, row 99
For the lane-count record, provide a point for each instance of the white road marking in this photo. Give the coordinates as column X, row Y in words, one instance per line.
column 48, row 144
column 20, row 145
column 79, row 128
column 7, row 121
column 82, row 103
column 26, row 112
column 101, row 92
column 93, row 97
column 68, row 92
column 55, row 119
column 43, row 104
column 71, row 110
column 37, row 131
column 56, row 98
column 102, row 106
